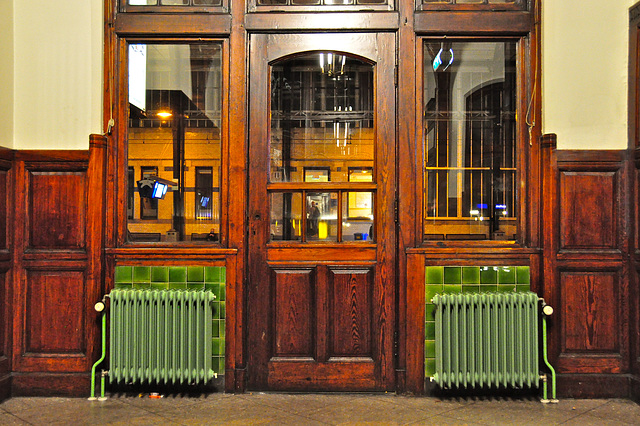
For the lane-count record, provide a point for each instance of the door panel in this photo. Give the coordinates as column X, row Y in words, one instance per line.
column 321, row 294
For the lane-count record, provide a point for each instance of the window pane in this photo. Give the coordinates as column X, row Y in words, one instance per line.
column 470, row 140
column 357, row 216
column 174, row 141
column 322, row 216
column 321, row 116
column 286, row 216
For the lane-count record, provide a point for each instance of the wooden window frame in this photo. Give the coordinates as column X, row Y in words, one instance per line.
column 445, row 5
column 253, row 7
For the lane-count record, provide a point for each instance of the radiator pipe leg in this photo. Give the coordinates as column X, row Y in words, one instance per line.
column 100, row 308
column 546, row 361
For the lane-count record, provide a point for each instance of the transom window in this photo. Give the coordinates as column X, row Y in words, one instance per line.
column 470, row 140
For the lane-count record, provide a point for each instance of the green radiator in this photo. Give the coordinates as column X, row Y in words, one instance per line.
column 160, row 336
column 487, row 340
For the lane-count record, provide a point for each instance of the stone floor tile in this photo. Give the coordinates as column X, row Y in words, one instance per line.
column 10, row 419
column 520, row 412
column 618, row 410
column 368, row 410
column 299, row 404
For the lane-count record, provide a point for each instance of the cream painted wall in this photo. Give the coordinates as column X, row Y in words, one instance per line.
column 6, row 74
column 57, row 73
column 585, row 57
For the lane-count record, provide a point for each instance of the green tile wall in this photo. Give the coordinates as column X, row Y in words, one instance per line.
column 463, row 279
column 180, row 278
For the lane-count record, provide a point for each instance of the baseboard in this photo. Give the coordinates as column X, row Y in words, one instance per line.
column 49, row 384
column 634, row 388
column 5, row 387
column 593, row 386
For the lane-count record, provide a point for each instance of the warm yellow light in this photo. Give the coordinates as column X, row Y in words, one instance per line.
column 164, row 114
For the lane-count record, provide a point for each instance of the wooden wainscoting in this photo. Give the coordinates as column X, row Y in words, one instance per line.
column 586, row 269
column 6, row 209
column 56, row 268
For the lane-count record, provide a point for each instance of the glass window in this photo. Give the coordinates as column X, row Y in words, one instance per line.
column 321, row 134
column 174, row 145
column 470, row 140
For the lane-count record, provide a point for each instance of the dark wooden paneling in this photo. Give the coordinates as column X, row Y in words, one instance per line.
column 57, row 213
column 588, row 216
column 55, row 315
column 586, row 247
column 351, row 313
column 589, row 311
column 4, row 197
column 292, row 299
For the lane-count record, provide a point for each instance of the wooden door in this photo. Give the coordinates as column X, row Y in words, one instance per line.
column 321, row 291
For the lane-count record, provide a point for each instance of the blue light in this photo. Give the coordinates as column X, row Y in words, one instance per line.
column 482, row 206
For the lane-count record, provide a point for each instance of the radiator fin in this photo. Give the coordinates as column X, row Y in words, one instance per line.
column 486, row 340
column 161, row 336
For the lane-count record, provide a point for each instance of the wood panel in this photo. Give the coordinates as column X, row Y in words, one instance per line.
column 56, row 268
column 293, row 302
column 56, row 209
column 588, row 214
column 590, row 318
column 55, row 314
column 351, row 313
column 4, row 197
column 586, row 247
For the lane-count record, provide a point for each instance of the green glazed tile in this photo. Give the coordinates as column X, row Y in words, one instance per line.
column 177, row 274
column 215, row 307
column 506, row 288
column 430, row 349
column 141, row 274
column 195, row 274
column 215, row 328
column 124, row 274
column 215, row 346
column 214, row 288
column 212, row 274
column 430, row 330
column 471, row 275
column 195, row 286
column 522, row 275
column 215, row 364
column 221, row 366
column 223, row 292
column 160, row 286
column 471, row 289
column 177, row 286
column 488, row 288
column 123, row 285
column 223, row 310
column 506, row 275
column 159, row 274
column 488, row 275
column 452, row 275
column 431, row 290
column 430, row 312
column 522, row 288
column 452, row 288
column 223, row 274
column 430, row 367
column 434, row 275
column 222, row 349
column 223, row 329
column 141, row 286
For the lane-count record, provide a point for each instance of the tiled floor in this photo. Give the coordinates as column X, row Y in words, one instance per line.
column 315, row 409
